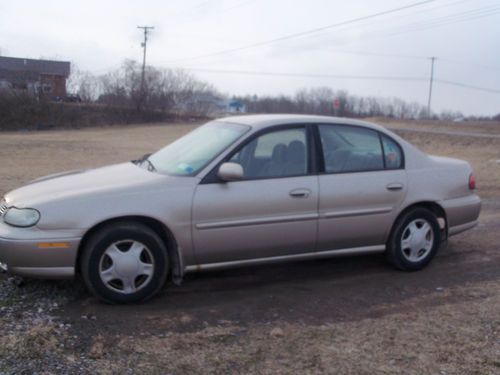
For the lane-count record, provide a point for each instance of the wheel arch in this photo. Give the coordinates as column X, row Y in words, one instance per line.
column 432, row 206
column 166, row 235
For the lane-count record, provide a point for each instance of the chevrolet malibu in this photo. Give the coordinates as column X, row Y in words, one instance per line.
column 238, row 191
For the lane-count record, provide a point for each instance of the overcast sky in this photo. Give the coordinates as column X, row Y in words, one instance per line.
column 97, row 36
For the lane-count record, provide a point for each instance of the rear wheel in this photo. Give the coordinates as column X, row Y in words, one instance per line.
column 414, row 240
column 124, row 262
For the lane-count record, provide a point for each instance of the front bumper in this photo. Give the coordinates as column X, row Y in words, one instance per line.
column 40, row 254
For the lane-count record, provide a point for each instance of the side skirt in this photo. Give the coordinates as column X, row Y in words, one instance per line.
column 286, row 258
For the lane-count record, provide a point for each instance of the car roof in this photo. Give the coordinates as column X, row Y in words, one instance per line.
column 264, row 121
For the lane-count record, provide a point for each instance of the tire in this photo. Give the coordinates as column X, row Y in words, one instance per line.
column 414, row 241
column 124, row 262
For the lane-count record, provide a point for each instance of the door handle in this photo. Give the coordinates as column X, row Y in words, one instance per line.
column 394, row 186
column 300, row 193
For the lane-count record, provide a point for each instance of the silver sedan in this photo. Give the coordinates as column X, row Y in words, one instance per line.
column 238, row 191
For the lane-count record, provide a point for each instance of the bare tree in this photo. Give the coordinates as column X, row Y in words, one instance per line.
column 164, row 90
column 84, row 84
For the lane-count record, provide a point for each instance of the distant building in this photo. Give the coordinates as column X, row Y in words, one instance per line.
column 207, row 102
column 231, row 106
column 40, row 77
column 235, row 106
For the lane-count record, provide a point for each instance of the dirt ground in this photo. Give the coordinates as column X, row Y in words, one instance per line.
column 341, row 316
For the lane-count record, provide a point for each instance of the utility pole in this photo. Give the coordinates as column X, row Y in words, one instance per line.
column 430, row 87
column 144, row 45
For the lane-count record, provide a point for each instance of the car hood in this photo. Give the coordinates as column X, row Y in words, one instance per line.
column 114, row 179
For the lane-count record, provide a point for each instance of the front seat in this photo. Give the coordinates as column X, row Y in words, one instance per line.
column 296, row 164
column 277, row 164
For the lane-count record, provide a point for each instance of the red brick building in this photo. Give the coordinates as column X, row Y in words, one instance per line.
column 41, row 77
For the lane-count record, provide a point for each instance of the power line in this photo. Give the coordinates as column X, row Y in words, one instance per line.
column 350, row 52
column 413, row 57
column 468, row 63
column 423, row 25
column 339, row 76
column 243, row 3
column 307, row 32
column 416, row 57
column 415, row 26
column 305, row 75
column 467, row 86
column 436, row 22
column 376, row 54
column 400, row 16
column 448, row 20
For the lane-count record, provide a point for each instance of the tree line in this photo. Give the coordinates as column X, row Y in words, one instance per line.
column 175, row 90
column 327, row 101
column 120, row 96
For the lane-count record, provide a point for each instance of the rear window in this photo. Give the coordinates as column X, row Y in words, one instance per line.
column 357, row 149
column 392, row 153
column 350, row 149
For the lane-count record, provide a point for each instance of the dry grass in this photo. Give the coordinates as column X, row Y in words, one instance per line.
column 33, row 343
column 461, row 338
column 488, row 127
column 460, row 334
column 451, row 338
column 27, row 155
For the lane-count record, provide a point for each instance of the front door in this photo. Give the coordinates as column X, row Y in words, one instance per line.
column 271, row 212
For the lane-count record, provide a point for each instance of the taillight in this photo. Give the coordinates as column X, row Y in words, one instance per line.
column 472, row 182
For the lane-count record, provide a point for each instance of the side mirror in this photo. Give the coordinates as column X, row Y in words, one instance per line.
column 230, row 172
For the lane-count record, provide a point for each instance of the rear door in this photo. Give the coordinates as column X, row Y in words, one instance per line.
column 271, row 212
column 361, row 187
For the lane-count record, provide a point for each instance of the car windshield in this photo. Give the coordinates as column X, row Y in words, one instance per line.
column 192, row 152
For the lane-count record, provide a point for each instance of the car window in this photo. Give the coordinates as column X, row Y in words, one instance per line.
column 279, row 153
column 350, row 149
column 392, row 153
column 190, row 153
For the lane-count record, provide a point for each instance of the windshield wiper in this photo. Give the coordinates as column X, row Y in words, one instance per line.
column 145, row 159
column 151, row 166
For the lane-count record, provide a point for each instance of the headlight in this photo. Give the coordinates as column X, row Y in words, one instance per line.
column 21, row 217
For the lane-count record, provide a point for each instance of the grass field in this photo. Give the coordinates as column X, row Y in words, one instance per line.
column 344, row 316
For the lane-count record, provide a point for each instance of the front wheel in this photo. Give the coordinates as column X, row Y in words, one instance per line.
column 414, row 240
column 124, row 262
